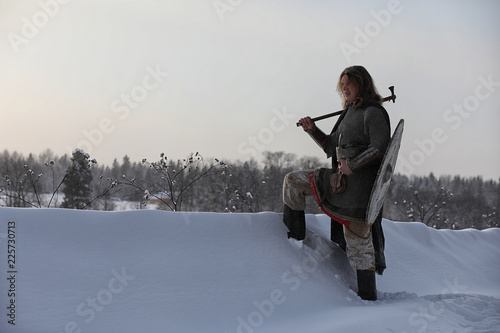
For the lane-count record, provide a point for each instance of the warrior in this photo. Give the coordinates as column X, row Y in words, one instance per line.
column 356, row 145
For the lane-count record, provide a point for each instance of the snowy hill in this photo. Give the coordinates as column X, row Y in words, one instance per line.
column 153, row 271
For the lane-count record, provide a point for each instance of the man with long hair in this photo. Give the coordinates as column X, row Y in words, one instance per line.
column 356, row 145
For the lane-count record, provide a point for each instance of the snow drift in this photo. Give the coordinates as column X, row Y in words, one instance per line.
column 153, row 271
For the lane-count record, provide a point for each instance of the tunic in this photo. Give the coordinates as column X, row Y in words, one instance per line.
column 360, row 136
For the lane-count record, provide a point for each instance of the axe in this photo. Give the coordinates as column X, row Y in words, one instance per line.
column 333, row 114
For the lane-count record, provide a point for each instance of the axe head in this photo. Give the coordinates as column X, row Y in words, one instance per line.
column 393, row 97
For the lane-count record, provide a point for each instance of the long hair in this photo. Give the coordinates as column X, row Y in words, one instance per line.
column 367, row 94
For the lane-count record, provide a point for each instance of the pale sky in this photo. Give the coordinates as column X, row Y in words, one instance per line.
column 230, row 78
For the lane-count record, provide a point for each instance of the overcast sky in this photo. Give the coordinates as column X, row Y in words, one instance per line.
column 230, row 78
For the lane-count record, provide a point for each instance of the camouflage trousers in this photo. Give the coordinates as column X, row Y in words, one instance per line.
column 358, row 236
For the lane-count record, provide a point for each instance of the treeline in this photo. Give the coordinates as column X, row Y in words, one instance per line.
column 196, row 183
column 447, row 202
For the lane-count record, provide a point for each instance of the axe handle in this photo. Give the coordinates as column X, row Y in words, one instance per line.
column 333, row 114
column 389, row 98
column 336, row 113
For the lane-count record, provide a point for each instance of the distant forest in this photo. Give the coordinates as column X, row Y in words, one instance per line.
column 196, row 183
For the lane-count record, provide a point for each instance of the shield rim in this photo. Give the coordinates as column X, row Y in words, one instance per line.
column 395, row 139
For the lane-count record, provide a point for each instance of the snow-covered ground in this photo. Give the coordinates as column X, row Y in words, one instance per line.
column 154, row 271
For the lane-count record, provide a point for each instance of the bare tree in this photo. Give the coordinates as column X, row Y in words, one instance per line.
column 174, row 179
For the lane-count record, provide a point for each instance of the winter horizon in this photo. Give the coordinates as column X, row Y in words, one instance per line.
column 229, row 79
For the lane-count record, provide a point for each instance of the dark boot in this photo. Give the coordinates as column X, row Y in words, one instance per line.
column 337, row 234
column 367, row 287
column 295, row 220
